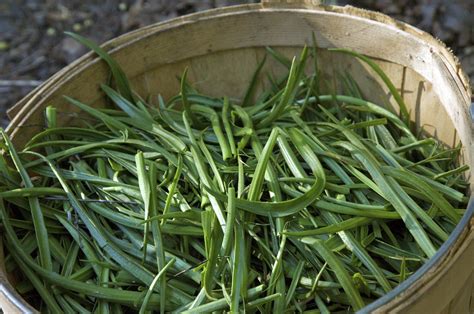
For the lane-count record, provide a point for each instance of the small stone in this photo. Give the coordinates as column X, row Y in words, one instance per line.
column 51, row 31
column 71, row 49
column 122, row 6
column 4, row 45
column 77, row 27
column 88, row 22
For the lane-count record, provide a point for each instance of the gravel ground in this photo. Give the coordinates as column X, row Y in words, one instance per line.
column 33, row 46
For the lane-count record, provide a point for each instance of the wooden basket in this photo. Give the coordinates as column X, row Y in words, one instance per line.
column 222, row 48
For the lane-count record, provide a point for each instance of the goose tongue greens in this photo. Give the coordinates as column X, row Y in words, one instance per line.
column 288, row 200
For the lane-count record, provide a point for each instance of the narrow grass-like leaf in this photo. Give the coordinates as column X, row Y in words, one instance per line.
column 120, row 78
column 239, row 268
column 145, row 191
column 341, row 273
column 393, row 90
column 150, row 290
column 36, row 211
column 249, row 94
column 184, row 99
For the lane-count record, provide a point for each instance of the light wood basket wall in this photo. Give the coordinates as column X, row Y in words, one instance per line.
column 222, row 48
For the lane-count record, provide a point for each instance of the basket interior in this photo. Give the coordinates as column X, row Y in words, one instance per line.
column 223, row 62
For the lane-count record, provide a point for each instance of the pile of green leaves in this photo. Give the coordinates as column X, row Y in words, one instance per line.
column 290, row 200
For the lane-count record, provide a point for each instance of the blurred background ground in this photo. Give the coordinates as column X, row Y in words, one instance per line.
column 33, row 46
